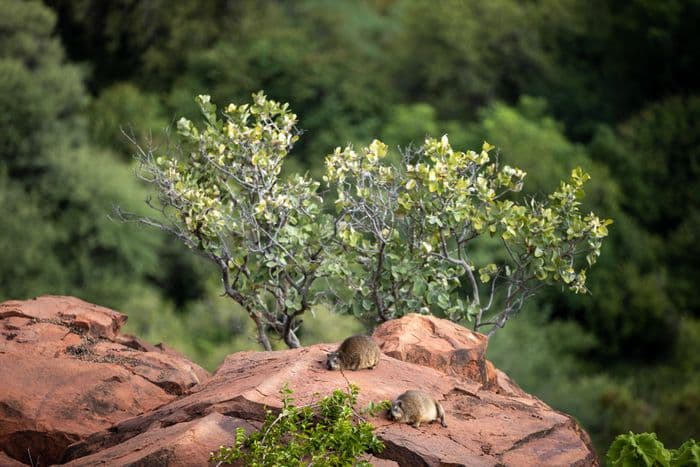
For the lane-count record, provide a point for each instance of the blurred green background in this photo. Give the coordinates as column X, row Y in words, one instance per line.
column 611, row 86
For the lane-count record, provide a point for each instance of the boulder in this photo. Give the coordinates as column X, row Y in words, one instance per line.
column 68, row 373
column 486, row 426
column 445, row 346
column 121, row 401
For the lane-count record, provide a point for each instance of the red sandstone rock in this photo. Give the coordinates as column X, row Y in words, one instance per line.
column 437, row 343
column 485, row 428
column 65, row 375
column 445, row 346
column 183, row 444
column 95, row 320
column 491, row 421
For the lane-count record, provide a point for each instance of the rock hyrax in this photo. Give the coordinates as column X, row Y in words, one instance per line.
column 355, row 353
column 416, row 407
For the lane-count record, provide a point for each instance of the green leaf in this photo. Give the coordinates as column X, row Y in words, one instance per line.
column 688, row 455
column 638, row 449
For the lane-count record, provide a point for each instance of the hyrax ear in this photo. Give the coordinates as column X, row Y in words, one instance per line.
column 399, row 404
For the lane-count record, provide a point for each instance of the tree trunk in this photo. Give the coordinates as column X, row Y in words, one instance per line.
column 292, row 340
column 262, row 335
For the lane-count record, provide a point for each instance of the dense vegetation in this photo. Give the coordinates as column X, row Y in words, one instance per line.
column 608, row 86
column 329, row 432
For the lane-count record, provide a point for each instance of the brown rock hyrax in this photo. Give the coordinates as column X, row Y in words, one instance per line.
column 355, row 353
column 416, row 407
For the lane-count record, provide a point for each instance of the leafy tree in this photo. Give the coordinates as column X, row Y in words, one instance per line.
column 458, row 56
column 673, row 387
column 21, row 148
column 601, row 53
column 99, row 258
column 40, row 94
column 329, row 433
column 402, row 236
column 145, row 43
column 628, row 275
column 402, row 69
column 655, row 162
column 227, row 201
column 529, row 137
column 123, row 108
column 52, row 180
column 325, row 57
column 328, row 57
column 28, row 263
column 406, row 233
column 653, row 155
column 181, row 277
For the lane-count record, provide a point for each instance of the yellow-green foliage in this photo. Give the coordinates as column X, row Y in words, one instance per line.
column 226, row 200
column 401, row 237
column 407, row 232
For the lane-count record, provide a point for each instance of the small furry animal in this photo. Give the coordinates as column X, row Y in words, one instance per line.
column 415, row 407
column 355, row 353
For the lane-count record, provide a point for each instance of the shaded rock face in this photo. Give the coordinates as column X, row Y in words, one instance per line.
column 67, row 373
column 491, row 421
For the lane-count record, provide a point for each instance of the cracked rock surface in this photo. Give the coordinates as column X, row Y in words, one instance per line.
column 67, row 373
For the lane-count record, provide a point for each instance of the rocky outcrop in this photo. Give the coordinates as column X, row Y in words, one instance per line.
column 490, row 420
column 68, row 373
column 433, row 342
column 444, row 346
column 486, row 427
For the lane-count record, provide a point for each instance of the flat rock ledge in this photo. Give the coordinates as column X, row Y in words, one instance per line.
column 491, row 421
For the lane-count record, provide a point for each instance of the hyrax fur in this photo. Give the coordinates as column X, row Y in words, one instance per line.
column 355, row 353
column 416, row 407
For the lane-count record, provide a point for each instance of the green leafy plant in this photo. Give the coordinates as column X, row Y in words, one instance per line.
column 644, row 449
column 329, row 432
column 226, row 200
column 402, row 237
column 406, row 233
